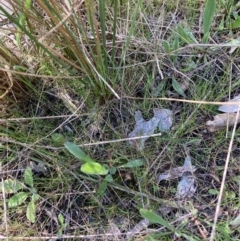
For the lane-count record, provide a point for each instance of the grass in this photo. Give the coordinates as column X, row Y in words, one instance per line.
column 75, row 77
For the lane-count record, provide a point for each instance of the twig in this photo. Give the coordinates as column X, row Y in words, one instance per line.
column 4, row 205
column 186, row 101
column 223, row 181
column 6, row 139
column 159, row 70
column 11, row 81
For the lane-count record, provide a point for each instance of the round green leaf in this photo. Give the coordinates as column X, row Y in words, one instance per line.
column 108, row 178
column 35, row 197
column 58, row 138
column 94, row 168
column 112, row 170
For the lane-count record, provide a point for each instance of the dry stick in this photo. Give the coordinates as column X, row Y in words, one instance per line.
column 159, row 70
column 40, row 117
column 229, row 96
column 3, row 188
column 6, row 139
column 223, row 180
column 11, row 81
column 101, row 78
column 5, row 219
column 41, row 75
column 186, row 101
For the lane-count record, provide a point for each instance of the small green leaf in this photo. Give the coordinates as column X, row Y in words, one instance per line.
column 158, row 89
column 35, row 197
column 11, row 186
column 166, row 46
column 134, row 163
column 205, row 37
column 154, row 218
column 27, row 4
column 19, row 68
column 102, row 188
column 94, row 168
column 17, row 199
column 178, row 88
column 108, row 178
column 213, row 191
column 190, row 65
column 61, row 220
column 60, row 232
column 235, row 222
column 176, row 43
column 221, row 25
column 31, row 212
column 112, row 170
column 77, row 152
column 184, row 35
column 208, row 15
column 58, row 138
column 28, row 177
column 235, row 23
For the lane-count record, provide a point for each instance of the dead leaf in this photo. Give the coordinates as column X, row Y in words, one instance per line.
column 143, row 224
column 186, row 188
column 230, row 108
column 163, row 119
column 178, row 171
column 221, row 121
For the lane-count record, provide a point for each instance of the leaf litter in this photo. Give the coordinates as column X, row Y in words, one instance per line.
column 186, row 186
column 227, row 119
column 185, row 190
column 162, row 119
column 230, row 108
column 178, row 171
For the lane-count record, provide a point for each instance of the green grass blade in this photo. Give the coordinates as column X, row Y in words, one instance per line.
column 77, row 152
column 178, row 88
column 114, row 29
column 103, row 28
column 185, row 34
column 208, row 15
column 131, row 30
column 154, row 218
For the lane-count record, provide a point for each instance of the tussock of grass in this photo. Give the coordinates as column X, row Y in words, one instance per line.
column 66, row 55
